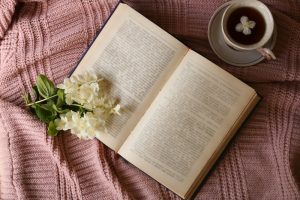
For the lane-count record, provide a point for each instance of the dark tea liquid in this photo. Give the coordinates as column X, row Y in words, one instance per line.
column 256, row 33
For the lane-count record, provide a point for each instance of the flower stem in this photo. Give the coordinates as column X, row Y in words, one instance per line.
column 40, row 101
column 77, row 105
column 80, row 106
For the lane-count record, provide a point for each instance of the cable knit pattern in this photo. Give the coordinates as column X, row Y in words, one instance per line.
column 49, row 37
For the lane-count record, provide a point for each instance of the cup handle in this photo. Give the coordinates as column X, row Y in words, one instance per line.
column 267, row 53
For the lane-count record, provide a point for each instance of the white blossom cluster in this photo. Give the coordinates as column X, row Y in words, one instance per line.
column 87, row 91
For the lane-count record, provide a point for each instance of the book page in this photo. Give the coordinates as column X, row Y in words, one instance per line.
column 187, row 121
column 136, row 57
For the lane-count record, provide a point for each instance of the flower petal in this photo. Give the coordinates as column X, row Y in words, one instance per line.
column 116, row 109
column 239, row 27
column 61, row 86
column 251, row 24
column 60, row 124
column 247, row 31
column 69, row 100
column 244, row 20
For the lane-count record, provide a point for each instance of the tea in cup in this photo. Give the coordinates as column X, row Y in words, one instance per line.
column 248, row 25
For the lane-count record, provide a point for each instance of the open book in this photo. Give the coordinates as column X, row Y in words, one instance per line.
column 180, row 109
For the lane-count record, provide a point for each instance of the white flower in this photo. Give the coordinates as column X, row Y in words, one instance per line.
column 85, row 78
column 94, row 126
column 245, row 26
column 87, row 126
column 88, row 92
column 82, row 89
column 64, row 123
column 116, row 109
column 68, row 86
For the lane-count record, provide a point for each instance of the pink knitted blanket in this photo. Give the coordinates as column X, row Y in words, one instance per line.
column 49, row 36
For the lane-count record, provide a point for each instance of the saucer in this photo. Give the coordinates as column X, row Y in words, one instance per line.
column 224, row 52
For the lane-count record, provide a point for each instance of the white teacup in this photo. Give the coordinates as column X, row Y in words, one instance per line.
column 246, row 23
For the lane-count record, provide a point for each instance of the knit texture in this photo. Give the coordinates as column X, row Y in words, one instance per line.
column 49, row 37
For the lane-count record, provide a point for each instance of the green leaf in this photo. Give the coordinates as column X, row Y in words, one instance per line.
column 81, row 111
column 61, row 98
column 59, row 110
column 45, row 87
column 49, row 106
column 43, row 113
column 52, row 131
column 35, row 92
column 33, row 106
